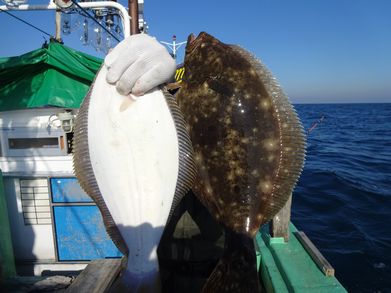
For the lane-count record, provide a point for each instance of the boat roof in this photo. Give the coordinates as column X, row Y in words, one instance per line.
column 52, row 76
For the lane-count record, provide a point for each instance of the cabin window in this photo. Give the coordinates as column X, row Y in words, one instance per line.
column 35, row 201
column 33, row 143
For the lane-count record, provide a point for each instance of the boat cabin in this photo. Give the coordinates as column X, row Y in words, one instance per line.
column 54, row 224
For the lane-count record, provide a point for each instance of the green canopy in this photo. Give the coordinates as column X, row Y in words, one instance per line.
column 52, row 76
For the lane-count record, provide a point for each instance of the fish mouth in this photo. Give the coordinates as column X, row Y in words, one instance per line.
column 191, row 43
column 191, row 38
column 194, row 42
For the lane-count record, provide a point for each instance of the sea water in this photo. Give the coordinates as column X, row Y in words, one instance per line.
column 343, row 198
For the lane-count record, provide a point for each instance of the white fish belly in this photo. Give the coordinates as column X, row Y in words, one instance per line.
column 133, row 149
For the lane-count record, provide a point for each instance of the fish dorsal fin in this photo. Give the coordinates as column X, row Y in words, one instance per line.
column 292, row 138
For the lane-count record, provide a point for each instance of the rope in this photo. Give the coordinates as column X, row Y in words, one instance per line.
column 93, row 18
column 81, row 8
column 29, row 24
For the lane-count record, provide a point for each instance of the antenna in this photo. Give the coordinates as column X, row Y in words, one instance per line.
column 174, row 46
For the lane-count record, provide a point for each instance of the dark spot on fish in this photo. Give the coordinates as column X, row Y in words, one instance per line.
column 220, row 86
column 212, row 128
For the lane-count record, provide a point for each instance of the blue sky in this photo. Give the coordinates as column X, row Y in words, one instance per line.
column 320, row 51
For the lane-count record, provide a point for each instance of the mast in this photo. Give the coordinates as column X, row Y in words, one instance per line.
column 133, row 12
column 174, row 46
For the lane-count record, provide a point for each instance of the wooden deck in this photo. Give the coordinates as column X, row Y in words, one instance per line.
column 97, row 277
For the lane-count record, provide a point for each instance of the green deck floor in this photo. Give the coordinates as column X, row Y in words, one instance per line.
column 287, row 267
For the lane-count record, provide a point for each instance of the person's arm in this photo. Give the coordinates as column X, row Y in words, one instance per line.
column 138, row 64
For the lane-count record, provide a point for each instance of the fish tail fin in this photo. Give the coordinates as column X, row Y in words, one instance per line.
column 237, row 270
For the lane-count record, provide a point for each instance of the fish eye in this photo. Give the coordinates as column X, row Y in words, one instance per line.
column 215, row 77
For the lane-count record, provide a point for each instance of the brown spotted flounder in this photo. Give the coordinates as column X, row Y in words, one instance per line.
column 249, row 148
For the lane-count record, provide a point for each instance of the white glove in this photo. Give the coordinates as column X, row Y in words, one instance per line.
column 138, row 64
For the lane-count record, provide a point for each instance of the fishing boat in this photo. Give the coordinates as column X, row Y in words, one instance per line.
column 50, row 226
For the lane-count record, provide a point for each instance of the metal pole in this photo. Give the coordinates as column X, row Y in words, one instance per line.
column 133, row 7
column 104, row 4
column 58, row 25
column 174, row 47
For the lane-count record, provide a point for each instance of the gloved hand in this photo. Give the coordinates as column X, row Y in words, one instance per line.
column 138, row 64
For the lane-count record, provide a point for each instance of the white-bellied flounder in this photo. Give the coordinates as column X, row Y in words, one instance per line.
column 134, row 158
column 249, row 149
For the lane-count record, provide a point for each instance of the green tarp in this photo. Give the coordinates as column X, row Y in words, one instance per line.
column 52, row 76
